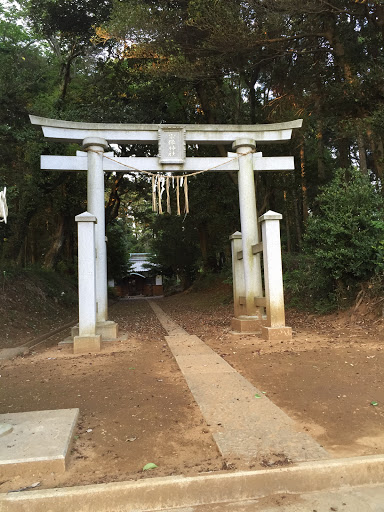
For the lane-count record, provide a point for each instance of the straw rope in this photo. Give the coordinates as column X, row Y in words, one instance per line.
column 161, row 182
column 149, row 173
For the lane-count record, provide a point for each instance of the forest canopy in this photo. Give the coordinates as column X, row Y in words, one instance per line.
column 199, row 61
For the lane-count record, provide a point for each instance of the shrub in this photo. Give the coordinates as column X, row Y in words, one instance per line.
column 346, row 232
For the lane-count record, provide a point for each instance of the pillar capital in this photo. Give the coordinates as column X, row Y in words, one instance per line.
column 270, row 215
column 88, row 142
column 86, row 217
column 244, row 143
column 236, row 236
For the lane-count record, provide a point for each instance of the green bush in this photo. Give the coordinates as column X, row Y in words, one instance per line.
column 345, row 236
column 307, row 287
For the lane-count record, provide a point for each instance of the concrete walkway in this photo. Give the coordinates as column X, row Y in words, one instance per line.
column 245, row 424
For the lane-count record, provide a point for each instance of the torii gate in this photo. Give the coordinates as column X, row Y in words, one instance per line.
column 172, row 140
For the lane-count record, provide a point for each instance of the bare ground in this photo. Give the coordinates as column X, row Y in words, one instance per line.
column 136, row 407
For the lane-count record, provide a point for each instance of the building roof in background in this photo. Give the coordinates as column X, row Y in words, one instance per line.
column 139, row 261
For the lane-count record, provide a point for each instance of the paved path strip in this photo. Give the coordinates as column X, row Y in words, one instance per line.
column 245, row 424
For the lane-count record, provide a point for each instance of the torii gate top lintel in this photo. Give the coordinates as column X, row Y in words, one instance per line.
column 70, row 131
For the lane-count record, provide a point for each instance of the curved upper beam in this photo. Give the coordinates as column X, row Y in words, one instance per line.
column 70, row 131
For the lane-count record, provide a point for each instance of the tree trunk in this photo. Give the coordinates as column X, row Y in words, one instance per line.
column 376, row 145
column 344, row 159
column 362, row 153
column 203, row 238
column 338, row 50
column 252, row 95
column 303, row 182
column 113, row 205
column 52, row 255
column 287, row 228
column 297, row 219
column 320, row 152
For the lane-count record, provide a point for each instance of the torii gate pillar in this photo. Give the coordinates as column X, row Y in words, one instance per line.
column 249, row 226
column 95, row 147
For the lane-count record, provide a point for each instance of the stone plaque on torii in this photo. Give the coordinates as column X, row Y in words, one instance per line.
column 172, row 141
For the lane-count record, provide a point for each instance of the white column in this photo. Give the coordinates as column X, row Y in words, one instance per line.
column 273, row 278
column 87, row 340
column 95, row 147
column 249, row 228
column 87, row 273
column 237, row 274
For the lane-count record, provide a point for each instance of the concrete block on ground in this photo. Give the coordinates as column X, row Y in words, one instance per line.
column 38, row 443
column 107, row 330
column 276, row 333
column 86, row 344
column 249, row 324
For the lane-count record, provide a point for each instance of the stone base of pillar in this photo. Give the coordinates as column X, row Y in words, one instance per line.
column 108, row 330
column 86, row 344
column 249, row 324
column 276, row 333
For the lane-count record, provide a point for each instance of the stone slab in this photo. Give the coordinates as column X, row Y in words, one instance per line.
column 276, row 333
column 39, row 442
column 244, row 422
column 214, row 491
column 247, row 325
column 203, row 363
column 86, row 344
column 184, row 344
column 107, row 330
column 69, row 340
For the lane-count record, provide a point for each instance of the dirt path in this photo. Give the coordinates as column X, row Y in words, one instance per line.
column 325, row 378
column 136, row 407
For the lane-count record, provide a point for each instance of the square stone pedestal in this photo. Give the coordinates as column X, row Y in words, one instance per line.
column 108, row 330
column 86, row 344
column 248, row 324
column 276, row 333
column 36, row 443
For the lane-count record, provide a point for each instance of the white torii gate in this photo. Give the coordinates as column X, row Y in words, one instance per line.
column 172, row 140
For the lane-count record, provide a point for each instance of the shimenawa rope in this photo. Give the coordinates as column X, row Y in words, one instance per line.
column 161, row 182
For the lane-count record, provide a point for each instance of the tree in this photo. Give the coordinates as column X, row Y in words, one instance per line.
column 345, row 232
column 67, row 26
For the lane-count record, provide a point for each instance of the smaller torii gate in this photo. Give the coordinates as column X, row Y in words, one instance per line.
column 172, row 140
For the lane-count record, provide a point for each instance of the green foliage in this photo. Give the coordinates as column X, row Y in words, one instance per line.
column 345, row 234
column 176, row 248
column 199, row 61
column 306, row 286
column 121, row 242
